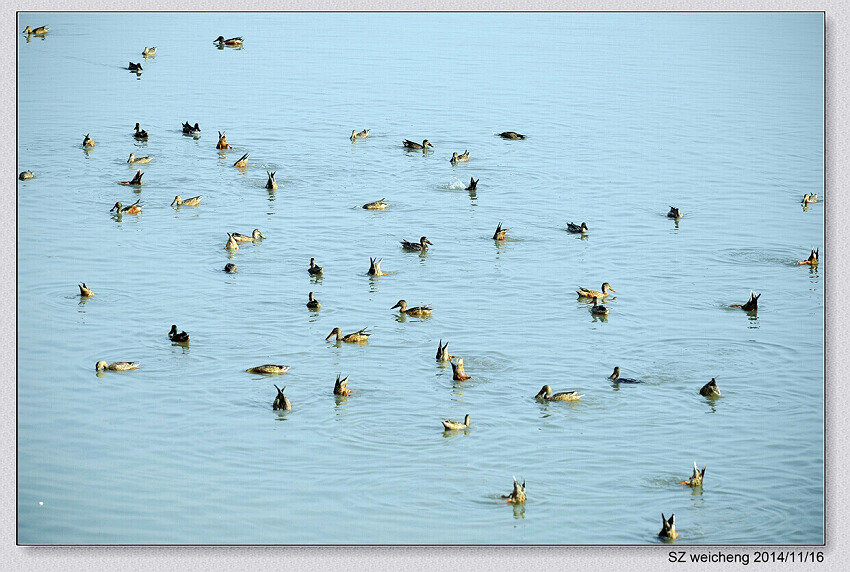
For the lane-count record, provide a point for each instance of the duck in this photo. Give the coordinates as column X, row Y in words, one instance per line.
column 361, row 135
column 230, row 268
column 615, row 377
column 598, row 308
column 668, row 527
column 674, row 213
column 587, row 293
column 356, row 337
column 450, row 425
column 231, row 243
column 812, row 259
column 710, row 389
column 751, row 305
column 572, row 227
column 177, row 337
column 473, row 184
column 120, row 209
column 237, row 41
column 25, row 175
column 271, row 183
column 314, row 268
column 137, row 179
column 85, row 291
column 140, row 133
column 414, row 145
column 148, row 52
column 696, row 478
column 420, row 246
column 376, row 205
column 88, row 141
column 134, row 159
column 518, row 494
column 375, row 267
column 443, row 352
column 415, row 311
column 281, row 402
column 312, row 303
column 190, row 202
column 191, row 130
column 269, row 369
column 242, row 161
column 134, row 67
column 222, row 141
column 458, row 373
column 116, row 366
column 341, row 386
column 511, row 135
column 500, row 232
column 807, row 198
column 459, row 158
column 40, row 31
column 546, row 394
column 256, row 235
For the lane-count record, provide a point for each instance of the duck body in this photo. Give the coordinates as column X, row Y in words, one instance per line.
column 25, row 175
column 136, row 180
column 751, row 305
column 546, row 394
column 420, row 246
column 710, row 389
column 696, row 477
column 668, row 527
column 232, row 42
column 408, row 144
column 268, row 369
column 134, row 159
column 134, row 67
column 418, row 311
column 271, row 183
column 517, row 494
column 242, row 161
column 443, row 352
column 598, row 308
column 148, row 52
column 458, row 373
column 88, row 141
column 459, row 158
column 177, row 337
column 587, row 293
column 375, row 267
column 256, row 235
column 40, row 31
column 674, row 213
column 312, row 303
column 500, row 232
column 231, row 243
column 615, row 377
column 135, row 208
column 353, row 338
column 376, row 205
column 807, row 198
column 341, row 386
column 230, row 268
column 222, row 141
column 450, row 425
column 140, row 133
column 281, row 402
column 190, row 202
column 189, row 129
column 812, row 259
column 473, row 184
column 575, row 228
column 85, row 291
column 355, row 135
column 116, row 366
column 314, row 269
column 511, row 135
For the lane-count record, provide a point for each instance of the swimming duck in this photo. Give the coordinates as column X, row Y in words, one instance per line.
column 191, row 130
column 696, row 478
column 572, row 227
column 40, row 31
column 812, row 259
column 177, row 337
column 751, row 305
column 135, row 208
column 116, row 366
column 148, row 52
column 511, row 135
column 710, row 389
column 674, row 213
column 281, row 402
column 314, row 268
column 242, row 161
column 237, row 41
column 25, row 175
column 807, row 198
column 546, row 394
column 500, row 232
column 230, row 268
column 450, row 425
column 518, row 494
column 137, row 179
column 134, row 159
column 85, row 291
column 459, row 158
column 271, row 183
column 616, row 377
column 312, row 303
column 190, row 202
column 245, row 238
column 140, row 133
column 598, row 308
column 415, row 311
column 269, row 369
column 420, row 246
column 361, row 135
column 586, row 293
column 231, row 243
column 222, row 141
column 473, row 184
column 134, row 67
column 443, row 352
column 413, row 145
column 668, row 527
column 88, row 141
column 355, row 337
column 341, row 386
column 376, row 205
column 375, row 267
column 458, row 373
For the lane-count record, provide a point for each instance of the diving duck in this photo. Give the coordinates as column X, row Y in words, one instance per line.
column 450, row 425
column 376, row 205
column 312, row 303
column 256, row 235
column 341, row 386
column 586, row 293
column 268, row 369
column 696, row 478
column 281, row 402
column 710, row 389
column 458, row 373
column 546, row 394
column 190, row 202
column 25, row 175
column 137, row 179
column 420, row 246
column 615, row 377
column 116, row 366
column 443, row 352
column 518, row 494
column 598, row 308
column 134, row 67
column 751, row 305
column 473, row 184
column 222, row 141
column 511, row 135
column 120, row 209
column 500, row 232
column 812, row 259
column 134, row 159
column 414, row 145
column 572, row 227
column 188, row 129
column 232, row 42
column 314, row 268
column 415, row 311
column 140, row 133
column 674, row 213
column 668, row 527
column 177, row 337
column 85, row 291
column 361, row 135
column 242, row 161
column 459, row 158
column 356, row 337
column 148, row 52
column 231, row 243
column 271, row 183
column 40, row 31
column 88, row 141
column 375, row 267
column 230, row 268
column 807, row 198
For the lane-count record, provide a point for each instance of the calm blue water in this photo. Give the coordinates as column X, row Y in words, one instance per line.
column 626, row 114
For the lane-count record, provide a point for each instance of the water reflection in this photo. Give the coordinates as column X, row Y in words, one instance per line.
column 519, row 510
